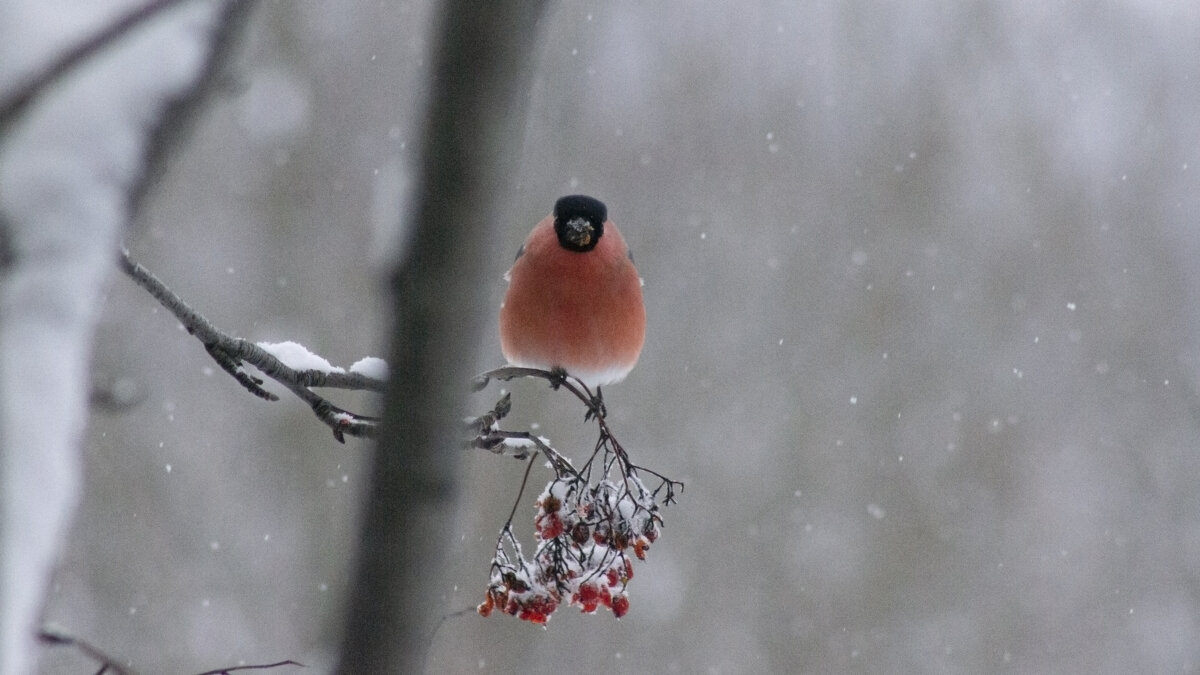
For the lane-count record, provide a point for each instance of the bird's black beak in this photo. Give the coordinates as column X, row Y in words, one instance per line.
column 579, row 232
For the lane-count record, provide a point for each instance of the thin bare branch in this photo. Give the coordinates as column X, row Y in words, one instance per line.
column 232, row 353
column 265, row 666
column 57, row 636
column 181, row 111
column 556, row 378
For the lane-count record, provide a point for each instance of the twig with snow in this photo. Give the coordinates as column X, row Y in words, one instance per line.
column 288, row 363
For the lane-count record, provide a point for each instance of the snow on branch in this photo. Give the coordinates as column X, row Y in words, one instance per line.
column 288, row 363
column 590, row 523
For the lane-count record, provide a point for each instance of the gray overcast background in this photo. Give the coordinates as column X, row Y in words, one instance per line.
column 921, row 281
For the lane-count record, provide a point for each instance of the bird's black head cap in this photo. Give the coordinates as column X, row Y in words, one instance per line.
column 579, row 222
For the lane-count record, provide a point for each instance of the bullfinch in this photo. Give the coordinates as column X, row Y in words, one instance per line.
column 574, row 298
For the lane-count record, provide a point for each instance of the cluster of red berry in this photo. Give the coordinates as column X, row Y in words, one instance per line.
column 584, row 532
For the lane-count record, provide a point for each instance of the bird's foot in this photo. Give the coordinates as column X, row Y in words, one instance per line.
column 596, row 406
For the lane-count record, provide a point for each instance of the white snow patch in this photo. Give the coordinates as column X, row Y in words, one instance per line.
column 296, row 356
column 371, row 366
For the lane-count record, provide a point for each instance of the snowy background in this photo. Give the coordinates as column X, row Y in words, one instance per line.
column 921, row 283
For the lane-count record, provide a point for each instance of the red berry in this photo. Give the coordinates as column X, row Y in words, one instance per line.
column 532, row 616
column 549, row 526
column 588, row 598
column 620, row 605
column 489, row 603
column 640, row 545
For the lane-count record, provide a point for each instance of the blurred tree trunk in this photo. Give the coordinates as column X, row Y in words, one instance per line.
column 474, row 120
column 65, row 200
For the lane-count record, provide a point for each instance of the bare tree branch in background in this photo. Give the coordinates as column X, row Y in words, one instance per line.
column 473, row 124
column 16, row 102
column 53, row 635
column 179, row 112
column 183, row 110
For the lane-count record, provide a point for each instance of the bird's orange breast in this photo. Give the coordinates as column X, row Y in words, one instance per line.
column 581, row 311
